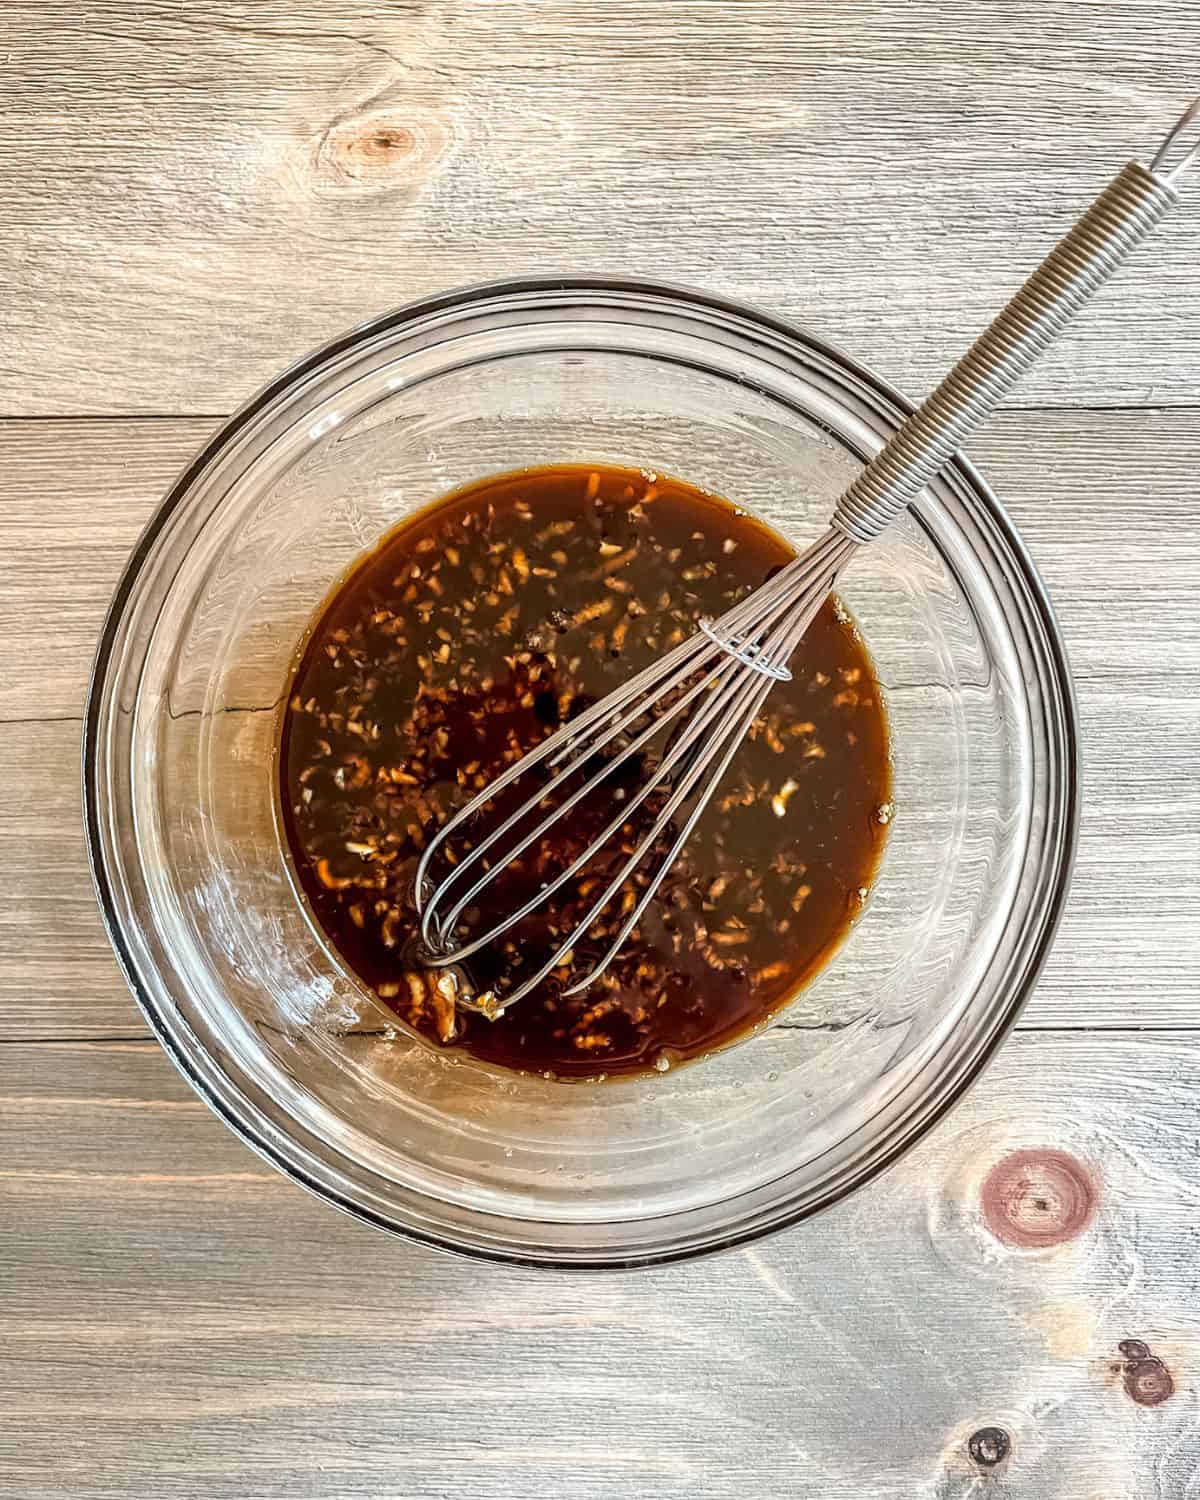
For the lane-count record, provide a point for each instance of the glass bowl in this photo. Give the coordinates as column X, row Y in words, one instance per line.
column 312, row 1073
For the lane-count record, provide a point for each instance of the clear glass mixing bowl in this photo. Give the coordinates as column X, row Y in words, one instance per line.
column 191, row 876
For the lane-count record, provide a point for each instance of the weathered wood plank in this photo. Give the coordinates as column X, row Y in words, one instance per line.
column 194, row 195
column 181, row 1321
column 1108, row 506
column 1106, row 500
column 73, row 500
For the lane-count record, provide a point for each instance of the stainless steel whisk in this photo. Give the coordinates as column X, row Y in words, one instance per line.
column 724, row 671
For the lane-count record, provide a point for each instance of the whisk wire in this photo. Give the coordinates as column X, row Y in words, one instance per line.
column 1158, row 164
column 753, row 695
column 562, row 953
column 766, row 628
column 750, row 618
column 559, row 810
column 570, row 737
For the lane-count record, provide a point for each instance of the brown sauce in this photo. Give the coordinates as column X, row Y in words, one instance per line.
column 472, row 631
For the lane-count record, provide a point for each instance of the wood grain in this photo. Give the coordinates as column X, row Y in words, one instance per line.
column 74, row 498
column 180, row 1321
column 193, row 195
column 1106, row 501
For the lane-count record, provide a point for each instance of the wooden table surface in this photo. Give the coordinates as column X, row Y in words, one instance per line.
column 193, row 194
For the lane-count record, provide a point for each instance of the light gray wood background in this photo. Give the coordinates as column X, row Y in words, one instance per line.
column 191, row 195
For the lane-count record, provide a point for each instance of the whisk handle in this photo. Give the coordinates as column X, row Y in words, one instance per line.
column 1119, row 220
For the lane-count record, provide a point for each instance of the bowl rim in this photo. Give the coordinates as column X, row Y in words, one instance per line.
column 683, row 298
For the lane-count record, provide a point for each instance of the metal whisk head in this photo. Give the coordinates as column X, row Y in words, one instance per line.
column 712, row 685
column 715, row 682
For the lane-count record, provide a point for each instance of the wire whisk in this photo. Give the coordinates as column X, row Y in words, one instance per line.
column 712, row 686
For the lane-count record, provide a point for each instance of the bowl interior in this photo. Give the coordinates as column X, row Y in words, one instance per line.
column 184, row 719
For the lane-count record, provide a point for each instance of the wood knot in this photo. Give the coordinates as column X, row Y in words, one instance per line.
column 1036, row 1199
column 989, row 1446
column 1147, row 1380
column 381, row 151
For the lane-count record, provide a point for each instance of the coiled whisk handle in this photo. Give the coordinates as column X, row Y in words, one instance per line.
column 1137, row 200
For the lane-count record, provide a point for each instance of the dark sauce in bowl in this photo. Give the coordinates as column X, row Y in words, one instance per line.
column 471, row 632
